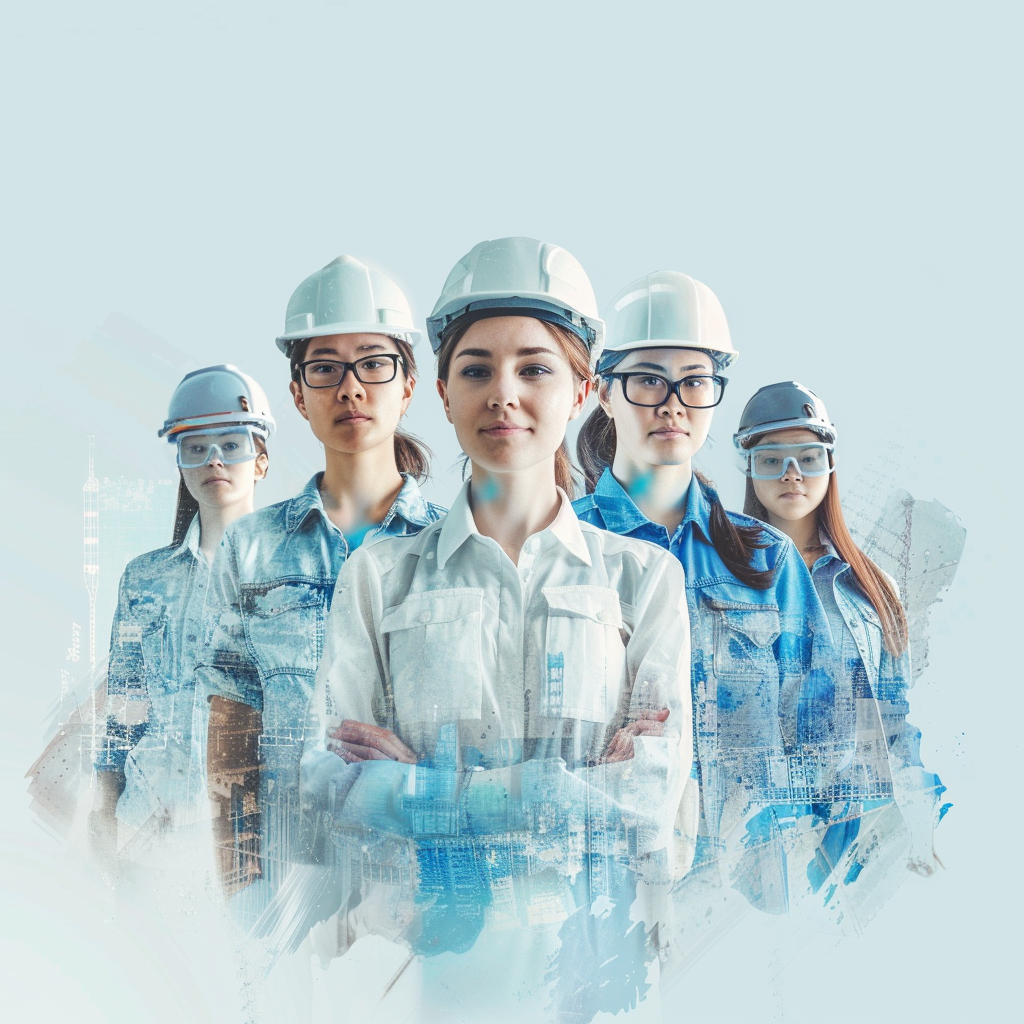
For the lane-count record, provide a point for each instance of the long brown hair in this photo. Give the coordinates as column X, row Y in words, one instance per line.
column 595, row 449
column 566, row 474
column 187, row 507
column 872, row 581
column 412, row 456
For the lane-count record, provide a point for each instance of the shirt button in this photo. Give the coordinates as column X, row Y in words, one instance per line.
column 605, row 617
column 192, row 638
column 425, row 616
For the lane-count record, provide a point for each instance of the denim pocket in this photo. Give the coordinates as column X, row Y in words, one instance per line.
column 434, row 654
column 743, row 639
column 285, row 625
column 585, row 655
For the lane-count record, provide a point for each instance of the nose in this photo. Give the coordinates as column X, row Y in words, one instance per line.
column 216, row 457
column 791, row 471
column 504, row 391
column 349, row 386
column 672, row 406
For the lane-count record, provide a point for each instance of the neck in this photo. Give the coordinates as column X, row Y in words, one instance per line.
column 511, row 507
column 658, row 491
column 214, row 520
column 803, row 533
column 358, row 488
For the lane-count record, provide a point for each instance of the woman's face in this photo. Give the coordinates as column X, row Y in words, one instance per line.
column 666, row 435
column 219, row 485
column 794, row 496
column 510, row 393
column 352, row 417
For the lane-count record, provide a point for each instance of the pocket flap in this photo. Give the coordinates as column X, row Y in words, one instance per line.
column 433, row 606
column 760, row 625
column 599, row 604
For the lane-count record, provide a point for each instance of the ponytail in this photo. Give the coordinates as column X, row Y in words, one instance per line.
column 412, row 456
column 186, row 510
column 595, row 446
column 735, row 544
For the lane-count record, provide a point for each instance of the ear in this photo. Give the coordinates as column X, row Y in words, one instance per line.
column 604, row 396
column 298, row 398
column 442, row 390
column 583, row 389
column 410, row 387
column 262, row 465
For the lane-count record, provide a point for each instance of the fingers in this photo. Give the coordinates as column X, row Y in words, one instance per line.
column 656, row 716
column 359, row 741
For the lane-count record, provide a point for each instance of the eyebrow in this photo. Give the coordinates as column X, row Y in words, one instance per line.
column 369, row 347
column 483, row 353
column 658, row 366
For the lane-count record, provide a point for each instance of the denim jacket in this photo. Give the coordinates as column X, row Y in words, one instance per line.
column 271, row 588
column 155, row 730
column 876, row 750
column 751, row 652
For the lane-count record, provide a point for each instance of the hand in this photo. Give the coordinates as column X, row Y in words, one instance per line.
column 620, row 746
column 357, row 741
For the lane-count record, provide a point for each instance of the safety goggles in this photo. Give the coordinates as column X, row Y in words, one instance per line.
column 773, row 461
column 227, row 445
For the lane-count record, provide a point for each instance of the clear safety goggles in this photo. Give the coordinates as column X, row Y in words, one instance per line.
column 227, row 445
column 773, row 461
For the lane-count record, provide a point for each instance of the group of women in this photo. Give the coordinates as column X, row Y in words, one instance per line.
column 513, row 732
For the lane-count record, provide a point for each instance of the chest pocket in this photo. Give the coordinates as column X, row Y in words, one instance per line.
column 433, row 643
column 866, row 628
column 285, row 625
column 584, row 654
column 743, row 639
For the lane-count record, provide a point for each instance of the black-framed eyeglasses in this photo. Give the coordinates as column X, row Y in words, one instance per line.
column 697, row 391
column 329, row 373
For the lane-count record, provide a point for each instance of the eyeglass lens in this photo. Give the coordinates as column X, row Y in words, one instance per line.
column 329, row 373
column 700, row 391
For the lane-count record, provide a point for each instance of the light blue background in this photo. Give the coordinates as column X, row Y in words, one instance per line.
column 846, row 178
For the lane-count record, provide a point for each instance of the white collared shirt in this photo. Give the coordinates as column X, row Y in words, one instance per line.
column 485, row 667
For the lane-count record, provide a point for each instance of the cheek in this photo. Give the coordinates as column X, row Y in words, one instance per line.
column 763, row 491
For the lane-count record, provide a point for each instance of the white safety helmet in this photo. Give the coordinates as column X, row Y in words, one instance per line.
column 347, row 297
column 217, row 396
column 780, row 407
column 667, row 309
column 519, row 277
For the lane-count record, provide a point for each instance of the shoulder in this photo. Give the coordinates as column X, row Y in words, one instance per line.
column 621, row 554
column 145, row 566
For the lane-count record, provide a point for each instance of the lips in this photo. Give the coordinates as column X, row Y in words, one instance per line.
column 216, row 480
column 352, row 417
column 503, row 429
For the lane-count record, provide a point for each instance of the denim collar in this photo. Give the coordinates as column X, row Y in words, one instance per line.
column 410, row 505
column 190, row 542
column 622, row 516
column 459, row 526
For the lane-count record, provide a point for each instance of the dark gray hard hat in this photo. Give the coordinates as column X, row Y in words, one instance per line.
column 783, row 406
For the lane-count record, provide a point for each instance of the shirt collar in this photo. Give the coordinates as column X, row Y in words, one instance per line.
column 459, row 526
column 410, row 505
column 621, row 514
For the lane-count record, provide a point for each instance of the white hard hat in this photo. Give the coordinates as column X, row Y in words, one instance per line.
column 215, row 396
column 347, row 297
column 667, row 309
column 519, row 277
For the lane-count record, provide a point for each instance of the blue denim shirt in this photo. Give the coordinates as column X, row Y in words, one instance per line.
column 271, row 588
column 156, row 731
column 751, row 652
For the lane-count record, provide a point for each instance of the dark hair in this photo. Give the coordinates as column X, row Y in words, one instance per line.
column 595, row 449
column 872, row 581
column 566, row 474
column 187, row 507
column 412, row 456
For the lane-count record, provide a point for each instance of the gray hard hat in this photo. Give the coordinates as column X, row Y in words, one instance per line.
column 783, row 406
column 216, row 396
